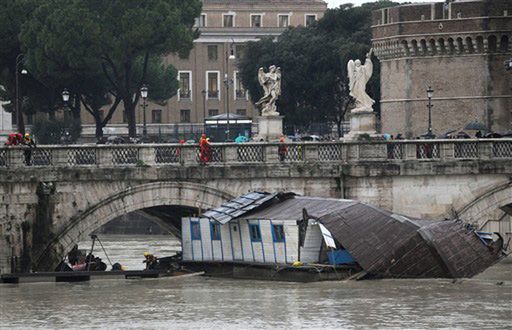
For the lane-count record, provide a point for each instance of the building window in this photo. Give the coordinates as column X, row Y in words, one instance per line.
column 125, row 116
column 309, row 20
column 255, row 233
column 200, row 21
column 228, row 20
column 185, row 116
column 283, row 21
column 278, row 233
column 212, row 87
column 195, row 230
column 241, row 112
column 256, row 20
column 185, row 78
column 215, row 230
column 213, row 53
column 239, row 88
column 213, row 112
column 156, row 116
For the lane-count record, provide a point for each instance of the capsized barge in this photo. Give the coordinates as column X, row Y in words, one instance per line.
column 281, row 235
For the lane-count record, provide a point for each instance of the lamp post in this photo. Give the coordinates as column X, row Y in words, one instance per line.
column 65, row 96
column 19, row 115
column 65, row 99
column 429, row 134
column 144, row 95
column 230, row 55
column 204, row 110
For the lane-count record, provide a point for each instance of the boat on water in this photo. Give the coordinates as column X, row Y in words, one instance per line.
column 286, row 233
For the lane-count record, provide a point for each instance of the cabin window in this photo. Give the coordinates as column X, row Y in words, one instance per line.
column 278, row 233
column 215, row 231
column 254, row 230
column 195, row 230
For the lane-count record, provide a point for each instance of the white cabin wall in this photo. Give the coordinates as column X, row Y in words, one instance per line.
column 312, row 243
column 186, row 243
column 248, row 255
column 267, row 243
column 291, row 234
column 197, row 245
column 227, row 251
column 206, row 240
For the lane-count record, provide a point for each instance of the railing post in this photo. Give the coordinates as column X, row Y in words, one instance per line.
column 230, row 153
column 447, row 150
column 410, row 151
column 60, row 156
column 271, row 153
column 147, row 155
column 311, row 152
column 16, row 157
column 485, row 149
column 188, row 154
column 105, row 157
column 351, row 152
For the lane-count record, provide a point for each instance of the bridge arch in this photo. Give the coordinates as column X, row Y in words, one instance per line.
column 493, row 205
column 131, row 199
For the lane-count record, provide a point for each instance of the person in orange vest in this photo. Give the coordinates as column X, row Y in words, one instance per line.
column 204, row 149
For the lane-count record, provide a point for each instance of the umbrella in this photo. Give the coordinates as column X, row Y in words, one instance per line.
column 448, row 134
column 475, row 126
column 463, row 135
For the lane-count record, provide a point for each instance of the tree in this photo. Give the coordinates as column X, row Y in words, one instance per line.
column 13, row 15
column 99, row 47
column 313, row 61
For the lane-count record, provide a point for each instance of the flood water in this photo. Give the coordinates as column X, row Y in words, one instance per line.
column 202, row 302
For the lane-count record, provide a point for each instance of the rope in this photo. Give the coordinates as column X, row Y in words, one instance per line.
column 110, row 262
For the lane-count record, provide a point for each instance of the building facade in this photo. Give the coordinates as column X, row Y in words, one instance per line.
column 209, row 81
column 456, row 47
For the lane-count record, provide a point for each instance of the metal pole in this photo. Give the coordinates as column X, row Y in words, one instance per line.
column 19, row 115
column 227, row 93
column 429, row 117
column 144, row 129
column 204, row 111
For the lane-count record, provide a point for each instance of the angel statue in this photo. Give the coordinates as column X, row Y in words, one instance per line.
column 359, row 75
column 271, row 83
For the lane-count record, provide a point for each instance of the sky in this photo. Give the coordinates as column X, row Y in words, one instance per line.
column 336, row 3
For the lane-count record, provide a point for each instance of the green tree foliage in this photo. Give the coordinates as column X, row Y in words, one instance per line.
column 313, row 63
column 13, row 14
column 56, row 131
column 95, row 47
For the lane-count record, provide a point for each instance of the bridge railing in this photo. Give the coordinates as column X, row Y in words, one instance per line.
column 230, row 153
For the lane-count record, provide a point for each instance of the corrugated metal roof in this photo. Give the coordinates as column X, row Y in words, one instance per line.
column 239, row 206
column 291, row 209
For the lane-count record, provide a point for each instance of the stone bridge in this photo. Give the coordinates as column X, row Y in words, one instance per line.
column 63, row 193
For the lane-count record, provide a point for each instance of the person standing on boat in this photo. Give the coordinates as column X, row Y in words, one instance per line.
column 150, row 260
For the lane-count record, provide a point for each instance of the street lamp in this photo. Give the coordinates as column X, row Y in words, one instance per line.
column 429, row 134
column 19, row 115
column 144, row 95
column 65, row 96
column 230, row 55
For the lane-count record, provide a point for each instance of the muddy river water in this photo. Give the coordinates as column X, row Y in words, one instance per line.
column 483, row 302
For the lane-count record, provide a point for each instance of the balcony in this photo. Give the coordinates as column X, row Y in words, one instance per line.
column 213, row 94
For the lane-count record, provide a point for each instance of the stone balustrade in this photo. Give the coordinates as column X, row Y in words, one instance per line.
column 230, row 153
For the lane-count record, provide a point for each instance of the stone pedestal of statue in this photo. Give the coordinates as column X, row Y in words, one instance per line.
column 270, row 128
column 362, row 122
